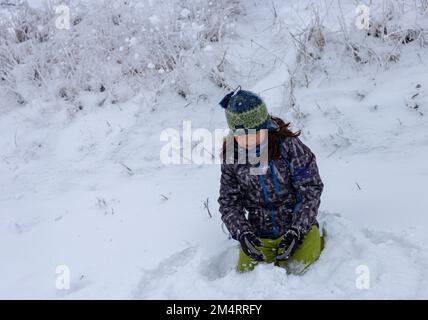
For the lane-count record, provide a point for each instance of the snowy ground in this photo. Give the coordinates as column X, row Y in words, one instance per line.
column 67, row 197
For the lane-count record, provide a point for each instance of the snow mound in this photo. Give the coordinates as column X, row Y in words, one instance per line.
column 398, row 270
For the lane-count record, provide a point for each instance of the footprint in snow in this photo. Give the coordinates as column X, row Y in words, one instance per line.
column 220, row 264
column 152, row 278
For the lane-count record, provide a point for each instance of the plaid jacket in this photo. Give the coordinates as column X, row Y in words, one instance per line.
column 287, row 194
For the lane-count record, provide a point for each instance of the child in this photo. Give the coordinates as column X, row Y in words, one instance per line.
column 282, row 203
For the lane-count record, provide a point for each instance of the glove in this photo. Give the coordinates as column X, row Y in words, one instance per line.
column 289, row 243
column 249, row 242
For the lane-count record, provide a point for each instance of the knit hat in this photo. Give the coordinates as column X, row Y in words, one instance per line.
column 246, row 110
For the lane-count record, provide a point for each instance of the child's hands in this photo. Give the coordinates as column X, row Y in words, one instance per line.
column 249, row 242
column 289, row 243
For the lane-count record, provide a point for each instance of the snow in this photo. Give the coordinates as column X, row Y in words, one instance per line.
column 184, row 13
column 86, row 188
column 154, row 19
column 133, row 41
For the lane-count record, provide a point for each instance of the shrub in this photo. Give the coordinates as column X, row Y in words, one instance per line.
column 109, row 44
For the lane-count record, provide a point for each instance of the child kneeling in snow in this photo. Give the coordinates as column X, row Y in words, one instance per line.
column 281, row 200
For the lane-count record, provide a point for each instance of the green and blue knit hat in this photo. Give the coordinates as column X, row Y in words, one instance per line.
column 246, row 110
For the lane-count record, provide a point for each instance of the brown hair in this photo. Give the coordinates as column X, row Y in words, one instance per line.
column 273, row 140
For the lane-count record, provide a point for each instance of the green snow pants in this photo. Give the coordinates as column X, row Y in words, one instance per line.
column 307, row 253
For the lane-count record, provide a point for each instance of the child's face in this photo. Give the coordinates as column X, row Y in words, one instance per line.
column 250, row 140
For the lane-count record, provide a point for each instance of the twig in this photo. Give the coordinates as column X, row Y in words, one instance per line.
column 333, row 152
column 271, row 52
column 130, row 171
column 274, row 9
column 15, row 139
column 301, row 46
column 281, row 85
column 206, row 206
column 224, row 231
column 210, row 153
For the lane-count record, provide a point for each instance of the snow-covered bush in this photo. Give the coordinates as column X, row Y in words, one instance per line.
column 325, row 38
column 109, row 45
column 393, row 24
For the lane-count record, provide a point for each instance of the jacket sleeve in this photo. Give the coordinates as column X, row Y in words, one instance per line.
column 230, row 200
column 307, row 183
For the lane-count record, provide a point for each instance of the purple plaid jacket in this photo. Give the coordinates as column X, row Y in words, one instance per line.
column 288, row 194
